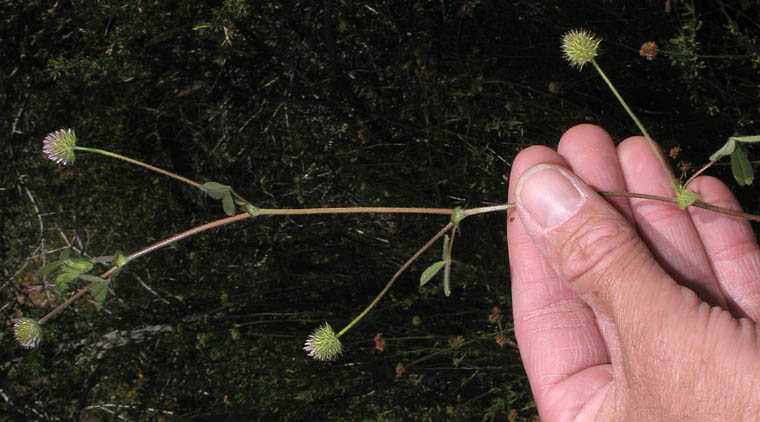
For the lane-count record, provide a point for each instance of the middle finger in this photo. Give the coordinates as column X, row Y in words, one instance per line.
column 668, row 231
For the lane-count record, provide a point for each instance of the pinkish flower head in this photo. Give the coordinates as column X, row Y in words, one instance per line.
column 59, row 146
column 648, row 50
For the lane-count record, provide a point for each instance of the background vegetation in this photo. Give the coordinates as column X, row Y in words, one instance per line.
column 309, row 104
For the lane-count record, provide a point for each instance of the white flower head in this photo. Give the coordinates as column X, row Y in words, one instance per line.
column 28, row 332
column 59, row 146
column 323, row 343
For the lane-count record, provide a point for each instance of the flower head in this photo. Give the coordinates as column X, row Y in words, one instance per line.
column 323, row 343
column 28, row 332
column 648, row 50
column 495, row 315
column 380, row 343
column 59, row 146
column 580, row 47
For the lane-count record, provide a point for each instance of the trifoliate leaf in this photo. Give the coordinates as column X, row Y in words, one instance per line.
column 99, row 292
column 47, row 269
column 725, row 150
column 730, row 145
column 61, row 286
column 741, row 167
column 65, row 277
column 228, row 204
column 93, row 278
column 78, row 264
column 216, row 190
column 430, row 272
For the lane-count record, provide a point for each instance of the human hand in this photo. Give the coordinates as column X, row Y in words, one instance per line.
column 606, row 316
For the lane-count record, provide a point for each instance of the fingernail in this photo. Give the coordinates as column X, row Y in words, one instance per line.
column 548, row 195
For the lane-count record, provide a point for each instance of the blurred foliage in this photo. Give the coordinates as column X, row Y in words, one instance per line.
column 297, row 104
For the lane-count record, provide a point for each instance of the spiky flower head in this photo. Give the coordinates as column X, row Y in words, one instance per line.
column 323, row 343
column 28, row 332
column 59, row 146
column 579, row 47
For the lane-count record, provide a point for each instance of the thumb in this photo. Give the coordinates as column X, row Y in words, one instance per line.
column 591, row 246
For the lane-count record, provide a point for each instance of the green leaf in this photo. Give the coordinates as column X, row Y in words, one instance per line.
column 216, row 190
column 63, row 279
column 99, row 292
column 446, row 257
column 746, row 139
column 66, row 277
column 47, row 269
column 228, row 204
column 741, row 167
column 94, row 278
column 78, row 264
column 447, row 278
column 726, row 149
column 61, row 286
column 686, row 197
column 430, row 272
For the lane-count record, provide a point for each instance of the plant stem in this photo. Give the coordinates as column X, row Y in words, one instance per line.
column 354, row 210
column 141, row 252
column 141, row 164
column 702, row 170
column 665, row 165
column 395, row 276
column 492, row 208
column 698, row 204
column 357, row 210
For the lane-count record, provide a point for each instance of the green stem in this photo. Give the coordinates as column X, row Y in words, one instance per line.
column 395, row 276
column 665, row 165
column 141, row 164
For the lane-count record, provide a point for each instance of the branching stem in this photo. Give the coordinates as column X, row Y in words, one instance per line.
column 365, row 210
column 393, row 279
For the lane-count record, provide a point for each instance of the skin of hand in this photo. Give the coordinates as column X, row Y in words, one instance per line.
column 630, row 309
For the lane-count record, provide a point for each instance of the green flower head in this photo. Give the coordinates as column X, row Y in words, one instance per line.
column 579, row 47
column 323, row 343
column 59, row 146
column 28, row 332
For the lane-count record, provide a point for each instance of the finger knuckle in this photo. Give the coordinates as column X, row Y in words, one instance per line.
column 597, row 252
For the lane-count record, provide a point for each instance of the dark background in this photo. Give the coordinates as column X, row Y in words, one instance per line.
column 310, row 104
